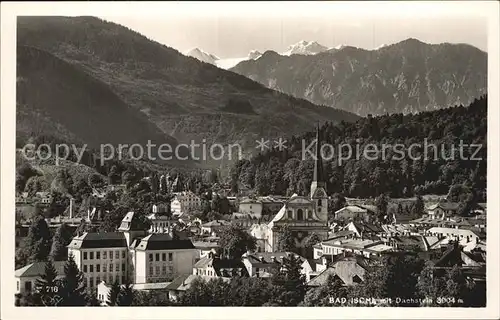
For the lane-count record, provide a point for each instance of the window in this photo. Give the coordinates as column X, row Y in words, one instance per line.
column 290, row 214
column 105, row 255
column 91, row 282
column 257, row 270
column 319, row 202
column 157, row 257
column 157, row 270
column 164, row 269
column 98, row 268
column 84, row 268
column 150, row 269
column 164, row 257
column 170, row 256
column 97, row 280
column 150, row 257
column 117, row 254
column 104, row 267
column 111, row 255
column 91, row 255
column 123, row 266
column 170, row 269
column 85, row 256
column 91, row 268
column 309, row 214
column 110, row 267
column 18, row 286
column 123, row 254
column 98, row 255
column 300, row 214
column 319, row 210
column 27, row 285
column 123, row 279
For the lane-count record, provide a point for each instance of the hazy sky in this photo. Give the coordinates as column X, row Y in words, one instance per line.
column 234, row 35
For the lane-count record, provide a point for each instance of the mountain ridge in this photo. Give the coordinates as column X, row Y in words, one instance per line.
column 408, row 76
column 181, row 96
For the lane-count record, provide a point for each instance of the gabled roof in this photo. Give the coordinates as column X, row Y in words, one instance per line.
column 129, row 223
column 219, row 263
column 352, row 208
column 98, row 240
column 216, row 223
column 36, row 269
column 444, row 205
column 164, row 241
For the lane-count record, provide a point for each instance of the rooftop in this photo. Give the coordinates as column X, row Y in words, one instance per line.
column 38, row 268
column 164, row 241
column 98, row 240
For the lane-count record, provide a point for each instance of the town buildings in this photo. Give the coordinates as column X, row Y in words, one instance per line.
column 302, row 215
column 185, row 202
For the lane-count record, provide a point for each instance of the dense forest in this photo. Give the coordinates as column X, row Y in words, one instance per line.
column 438, row 169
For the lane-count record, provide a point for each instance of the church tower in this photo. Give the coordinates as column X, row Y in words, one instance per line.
column 318, row 186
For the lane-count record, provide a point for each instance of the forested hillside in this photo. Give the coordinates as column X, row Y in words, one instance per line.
column 283, row 172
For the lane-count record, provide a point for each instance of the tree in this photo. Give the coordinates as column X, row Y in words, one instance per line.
column 418, row 207
column 235, row 241
column 61, row 239
column 47, row 287
column 338, row 201
column 113, row 294
column 289, row 284
column 36, row 245
column 382, row 203
column 112, row 219
column 72, row 289
column 394, row 277
column 286, row 241
column 333, row 289
column 91, row 298
column 249, row 291
column 214, row 292
column 126, row 296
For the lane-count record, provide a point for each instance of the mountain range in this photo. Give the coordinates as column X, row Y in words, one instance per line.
column 92, row 81
column 409, row 76
column 221, row 63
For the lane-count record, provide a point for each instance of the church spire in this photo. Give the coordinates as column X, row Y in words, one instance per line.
column 318, row 163
column 318, row 174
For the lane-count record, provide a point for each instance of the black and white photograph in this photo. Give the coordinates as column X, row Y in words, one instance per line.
column 325, row 157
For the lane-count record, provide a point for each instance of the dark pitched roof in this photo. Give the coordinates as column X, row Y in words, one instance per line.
column 129, row 222
column 98, row 240
column 38, row 268
column 164, row 241
column 177, row 282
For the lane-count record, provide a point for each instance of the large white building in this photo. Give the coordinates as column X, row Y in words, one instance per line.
column 185, row 202
column 131, row 255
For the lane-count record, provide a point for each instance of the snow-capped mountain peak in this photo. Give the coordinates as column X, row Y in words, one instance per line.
column 202, row 55
column 254, row 54
column 305, row 48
